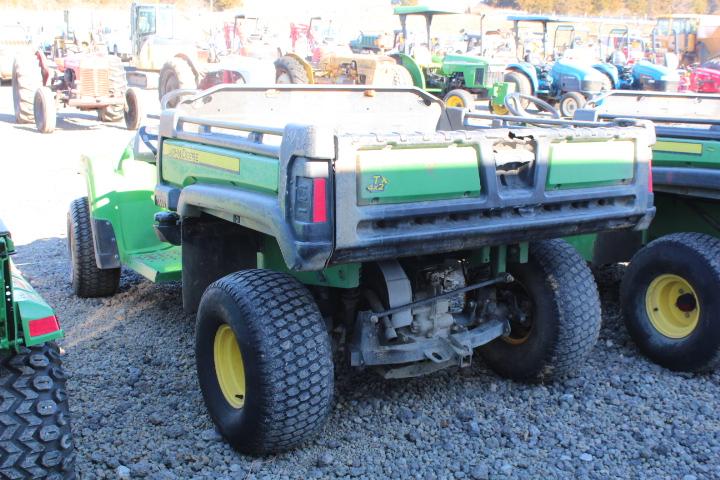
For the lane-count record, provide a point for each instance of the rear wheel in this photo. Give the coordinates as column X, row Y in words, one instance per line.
column 554, row 315
column 176, row 74
column 606, row 84
column 45, row 110
column 460, row 98
column 522, row 85
column 570, row 102
column 86, row 278
column 26, row 79
column 36, row 436
column 118, row 87
column 670, row 301
column 264, row 360
column 132, row 111
column 289, row 69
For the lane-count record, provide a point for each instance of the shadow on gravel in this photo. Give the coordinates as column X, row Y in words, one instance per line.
column 66, row 122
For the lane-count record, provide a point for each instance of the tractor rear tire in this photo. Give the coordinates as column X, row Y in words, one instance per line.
column 289, row 70
column 607, row 83
column 522, row 85
column 563, row 317
column 460, row 98
column 26, row 79
column 670, row 302
column 88, row 281
column 45, row 110
column 37, row 440
column 264, row 360
column 570, row 102
column 133, row 111
column 118, row 87
column 392, row 75
column 176, row 74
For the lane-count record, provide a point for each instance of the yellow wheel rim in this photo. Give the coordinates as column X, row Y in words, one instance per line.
column 454, row 101
column 499, row 109
column 672, row 306
column 229, row 367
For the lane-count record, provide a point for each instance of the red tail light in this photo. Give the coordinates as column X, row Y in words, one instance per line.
column 319, row 202
column 43, row 326
column 650, row 179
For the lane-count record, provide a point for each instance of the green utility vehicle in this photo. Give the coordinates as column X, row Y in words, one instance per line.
column 35, row 425
column 670, row 292
column 457, row 79
column 300, row 214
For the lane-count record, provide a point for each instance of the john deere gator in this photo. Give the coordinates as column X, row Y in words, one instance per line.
column 405, row 234
column 34, row 416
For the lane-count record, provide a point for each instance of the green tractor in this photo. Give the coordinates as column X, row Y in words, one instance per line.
column 35, row 428
column 670, row 290
column 459, row 80
column 323, row 215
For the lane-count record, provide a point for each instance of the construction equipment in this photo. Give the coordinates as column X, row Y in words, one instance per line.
column 690, row 38
column 459, row 80
column 565, row 77
column 670, row 290
column 407, row 232
column 37, row 439
column 86, row 81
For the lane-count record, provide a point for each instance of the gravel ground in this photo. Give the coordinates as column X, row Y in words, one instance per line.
column 138, row 412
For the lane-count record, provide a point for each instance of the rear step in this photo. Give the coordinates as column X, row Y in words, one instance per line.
column 158, row 266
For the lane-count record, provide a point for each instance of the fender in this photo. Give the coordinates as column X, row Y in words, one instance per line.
column 528, row 70
column 196, row 72
column 415, row 71
column 611, row 71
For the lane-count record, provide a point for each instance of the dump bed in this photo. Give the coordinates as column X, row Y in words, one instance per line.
column 340, row 174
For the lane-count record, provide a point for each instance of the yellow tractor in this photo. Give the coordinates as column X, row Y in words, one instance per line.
column 692, row 38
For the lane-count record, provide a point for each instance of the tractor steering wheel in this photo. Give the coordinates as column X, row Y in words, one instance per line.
column 514, row 105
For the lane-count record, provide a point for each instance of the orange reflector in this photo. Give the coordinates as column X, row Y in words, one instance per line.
column 43, row 326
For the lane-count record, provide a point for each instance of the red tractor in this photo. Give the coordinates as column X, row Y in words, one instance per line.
column 84, row 80
column 705, row 78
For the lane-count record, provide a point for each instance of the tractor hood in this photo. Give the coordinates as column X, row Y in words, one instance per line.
column 580, row 70
column 654, row 71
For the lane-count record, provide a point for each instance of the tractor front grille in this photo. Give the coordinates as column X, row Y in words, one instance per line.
column 93, row 82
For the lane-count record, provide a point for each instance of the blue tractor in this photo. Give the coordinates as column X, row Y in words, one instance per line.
column 626, row 68
column 563, row 80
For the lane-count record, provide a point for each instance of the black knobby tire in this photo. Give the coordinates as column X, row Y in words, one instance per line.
column 132, row 112
column 570, row 102
column 694, row 257
column 522, row 85
column 286, row 354
column 176, row 74
column 36, row 435
column 26, row 79
column 45, row 110
column 289, row 70
column 118, row 87
column 86, row 278
column 565, row 315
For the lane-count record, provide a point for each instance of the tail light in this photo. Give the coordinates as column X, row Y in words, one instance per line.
column 43, row 326
column 650, row 176
column 319, row 200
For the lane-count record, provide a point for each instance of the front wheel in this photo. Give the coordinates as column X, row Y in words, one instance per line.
column 460, row 98
column 45, row 110
column 133, row 111
column 264, row 360
column 670, row 302
column 37, row 439
column 554, row 314
column 570, row 102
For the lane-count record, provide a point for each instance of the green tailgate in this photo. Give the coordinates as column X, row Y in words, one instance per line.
column 185, row 163
column 588, row 164
column 399, row 175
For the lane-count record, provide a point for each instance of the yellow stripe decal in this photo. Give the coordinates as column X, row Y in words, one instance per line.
column 678, row 147
column 200, row 157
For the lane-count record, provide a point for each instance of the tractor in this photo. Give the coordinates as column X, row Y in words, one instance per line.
column 624, row 63
column 566, row 80
column 37, row 439
column 458, row 79
column 705, row 77
column 686, row 38
column 84, row 80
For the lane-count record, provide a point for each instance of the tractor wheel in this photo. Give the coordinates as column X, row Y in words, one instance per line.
column 132, row 111
column 392, row 75
column 522, row 85
column 264, row 360
column 554, row 315
column 460, row 98
column 37, row 439
column 497, row 109
column 401, row 76
column 118, row 87
column 86, row 278
column 45, row 110
column 607, row 83
column 289, row 70
column 26, row 79
column 670, row 302
column 570, row 102
column 176, row 74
